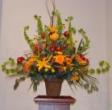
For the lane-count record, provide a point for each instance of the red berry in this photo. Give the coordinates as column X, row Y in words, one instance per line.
column 66, row 34
column 20, row 59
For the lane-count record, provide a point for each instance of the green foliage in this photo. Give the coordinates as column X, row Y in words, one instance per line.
column 59, row 22
column 9, row 67
column 46, row 30
column 27, row 38
column 89, row 83
column 35, row 83
column 17, row 81
column 84, row 43
column 71, row 30
column 103, row 67
column 91, row 71
column 86, row 82
column 39, row 24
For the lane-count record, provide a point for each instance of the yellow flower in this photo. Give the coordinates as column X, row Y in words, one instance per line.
column 75, row 77
column 43, row 64
column 53, row 29
column 54, row 36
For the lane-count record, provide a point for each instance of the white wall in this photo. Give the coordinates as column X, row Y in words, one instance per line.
column 90, row 14
column 0, row 12
column 109, row 45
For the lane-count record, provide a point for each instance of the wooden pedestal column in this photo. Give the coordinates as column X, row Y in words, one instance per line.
column 54, row 103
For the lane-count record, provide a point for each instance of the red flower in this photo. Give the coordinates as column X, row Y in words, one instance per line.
column 52, row 47
column 20, row 60
column 84, row 58
column 81, row 59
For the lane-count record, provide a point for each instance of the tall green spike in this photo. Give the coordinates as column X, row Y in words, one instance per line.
column 39, row 24
column 27, row 38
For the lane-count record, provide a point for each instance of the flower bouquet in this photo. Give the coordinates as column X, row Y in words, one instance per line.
column 55, row 54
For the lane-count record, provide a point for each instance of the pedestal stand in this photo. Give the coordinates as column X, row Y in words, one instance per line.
column 54, row 103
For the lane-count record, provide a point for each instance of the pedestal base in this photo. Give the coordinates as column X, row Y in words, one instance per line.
column 54, row 103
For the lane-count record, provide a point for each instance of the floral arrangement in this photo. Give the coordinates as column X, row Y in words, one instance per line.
column 55, row 53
